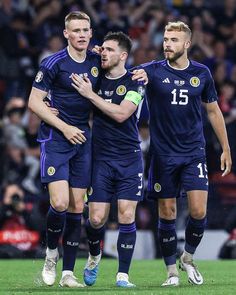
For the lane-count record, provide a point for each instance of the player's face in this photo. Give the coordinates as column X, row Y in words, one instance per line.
column 78, row 33
column 111, row 54
column 175, row 45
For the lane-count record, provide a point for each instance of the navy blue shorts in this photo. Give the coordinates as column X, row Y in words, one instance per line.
column 61, row 160
column 118, row 179
column 168, row 175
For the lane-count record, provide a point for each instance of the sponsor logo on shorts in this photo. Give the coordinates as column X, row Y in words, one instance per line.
column 51, row 171
column 157, row 187
column 39, row 77
column 194, row 81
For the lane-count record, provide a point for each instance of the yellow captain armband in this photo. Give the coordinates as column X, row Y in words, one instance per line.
column 133, row 96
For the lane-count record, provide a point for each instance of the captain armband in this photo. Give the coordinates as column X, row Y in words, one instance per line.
column 133, row 96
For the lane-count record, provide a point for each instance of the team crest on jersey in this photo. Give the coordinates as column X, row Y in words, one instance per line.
column 157, row 187
column 121, row 90
column 94, row 71
column 194, row 81
column 51, row 171
column 141, row 90
column 39, row 77
column 90, row 191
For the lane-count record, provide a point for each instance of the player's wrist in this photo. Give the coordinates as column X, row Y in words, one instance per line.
column 226, row 148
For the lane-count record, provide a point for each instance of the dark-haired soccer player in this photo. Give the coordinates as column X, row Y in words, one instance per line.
column 176, row 90
column 117, row 168
column 65, row 142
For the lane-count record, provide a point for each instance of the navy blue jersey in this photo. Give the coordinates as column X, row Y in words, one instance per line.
column 54, row 77
column 113, row 140
column 175, row 98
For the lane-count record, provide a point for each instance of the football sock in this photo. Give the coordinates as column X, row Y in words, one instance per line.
column 71, row 237
column 125, row 245
column 95, row 235
column 168, row 240
column 55, row 225
column 194, row 233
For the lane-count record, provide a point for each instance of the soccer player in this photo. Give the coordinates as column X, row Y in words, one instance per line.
column 176, row 90
column 117, row 168
column 65, row 143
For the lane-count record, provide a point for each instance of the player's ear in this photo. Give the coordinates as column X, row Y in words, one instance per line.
column 124, row 55
column 187, row 44
column 65, row 33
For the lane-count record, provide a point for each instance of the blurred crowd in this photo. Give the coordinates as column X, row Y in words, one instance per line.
column 30, row 30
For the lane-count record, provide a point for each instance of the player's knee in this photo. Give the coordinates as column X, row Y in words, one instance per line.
column 97, row 221
column 77, row 207
column 198, row 213
column 126, row 217
column 59, row 205
column 167, row 212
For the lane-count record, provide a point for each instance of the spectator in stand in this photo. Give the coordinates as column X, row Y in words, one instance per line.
column 55, row 43
column 113, row 18
column 19, row 230
column 20, row 154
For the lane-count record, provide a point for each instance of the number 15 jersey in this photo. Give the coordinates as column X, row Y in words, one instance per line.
column 175, row 98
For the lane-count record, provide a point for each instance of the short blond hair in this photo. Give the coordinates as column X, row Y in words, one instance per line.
column 178, row 27
column 76, row 15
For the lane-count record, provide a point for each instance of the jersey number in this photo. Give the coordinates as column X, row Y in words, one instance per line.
column 183, row 97
column 140, row 175
column 202, row 172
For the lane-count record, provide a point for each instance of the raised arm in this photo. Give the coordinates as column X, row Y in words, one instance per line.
column 217, row 121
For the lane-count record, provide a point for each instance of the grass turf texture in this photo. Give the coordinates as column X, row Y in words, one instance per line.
column 24, row 277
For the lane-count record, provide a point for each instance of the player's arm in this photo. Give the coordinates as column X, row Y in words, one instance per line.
column 217, row 121
column 36, row 105
column 120, row 112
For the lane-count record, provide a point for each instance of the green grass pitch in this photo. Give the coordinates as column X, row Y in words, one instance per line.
column 23, row 277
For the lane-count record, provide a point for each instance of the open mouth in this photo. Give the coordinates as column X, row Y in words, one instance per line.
column 82, row 42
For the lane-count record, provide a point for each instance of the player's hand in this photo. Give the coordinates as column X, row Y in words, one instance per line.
column 53, row 110
column 97, row 49
column 225, row 162
column 74, row 134
column 140, row 75
column 82, row 85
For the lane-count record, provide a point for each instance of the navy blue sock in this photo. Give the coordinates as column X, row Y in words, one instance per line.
column 71, row 237
column 125, row 245
column 194, row 233
column 168, row 240
column 55, row 225
column 95, row 236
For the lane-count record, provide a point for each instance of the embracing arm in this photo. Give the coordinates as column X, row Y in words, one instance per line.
column 119, row 113
column 37, row 105
column 217, row 121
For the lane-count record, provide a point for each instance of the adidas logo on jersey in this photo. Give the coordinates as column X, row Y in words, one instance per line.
column 166, row 80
